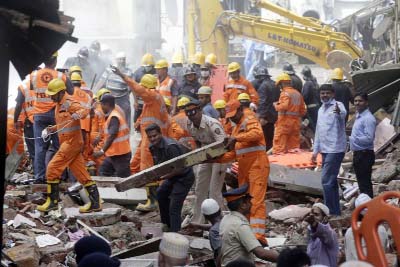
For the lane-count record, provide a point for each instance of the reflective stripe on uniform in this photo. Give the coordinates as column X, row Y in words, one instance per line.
column 122, row 138
column 70, row 129
column 154, row 120
column 250, row 149
column 312, row 106
column 292, row 113
column 121, row 127
column 10, row 116
column 257, row 221
column 258, row 230
column 237, row 86
column 44, row 99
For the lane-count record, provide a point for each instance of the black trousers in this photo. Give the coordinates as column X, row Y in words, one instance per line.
column 116, row 165
column 170, row 195
column 268, row 130
column 362, row 163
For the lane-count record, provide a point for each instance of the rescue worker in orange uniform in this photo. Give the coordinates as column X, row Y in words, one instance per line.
column 14, row 135
column 244, row 100
column 174, row 130
column 166, row 85
column 247, row 146
column 24, row 106
column 116, row 148
column 237, row 84
column 85, row 101
column 68, row 114
column 291, row 109
column 77, row 69
column 154, row 111
column 43, row 112
column 220, row 106
column 182, row 120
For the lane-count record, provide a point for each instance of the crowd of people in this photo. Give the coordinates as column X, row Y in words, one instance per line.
column 72, row 131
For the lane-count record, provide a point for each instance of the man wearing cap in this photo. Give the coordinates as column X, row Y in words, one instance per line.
column 266, row 112
column 212, row 212
column 190, row 84
column 118, row 87
column 238, row 240
column 291, row 109
column 166, row 85
column 244, row 100
column 349, row 243
column 204, row 95
column 237, row 84
column 323, row 245
column 176, row 185
column 116, row 148
column 342, row 90
column 247, row 146
column 209, row 176
column 173, row 250
column 220, row 106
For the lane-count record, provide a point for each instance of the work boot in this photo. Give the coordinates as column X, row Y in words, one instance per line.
column 53, row 194
column 151, row 204
column 94, row 196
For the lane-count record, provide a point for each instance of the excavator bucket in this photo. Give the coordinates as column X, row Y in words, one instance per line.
column 340, row 59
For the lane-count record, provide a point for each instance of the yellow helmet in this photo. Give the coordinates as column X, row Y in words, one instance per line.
column 161, row 64
column 55, row 54
column 337, row 74
column 101, row 92
column 149, row 81
column 75, row 68
column 204, row 90
column 55, row 86
column 167, row 101
column 243, row 96
column 183, row 101
column 147, row 60
column 233, row 66
column 211, row 59
column 219, row 104
column 282, row 77
column 199, row 58
column 177, row 58
column 76, row 77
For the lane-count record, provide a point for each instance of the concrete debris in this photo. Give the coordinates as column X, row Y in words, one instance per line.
column 385, row 173
column 394, row 185
column 129, row 197
column 26, row 255
column 289, row 212
column 19, row 220
column 200, row 243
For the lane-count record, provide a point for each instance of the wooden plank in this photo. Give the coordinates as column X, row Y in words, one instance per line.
column 186, row 160
column 151, row 245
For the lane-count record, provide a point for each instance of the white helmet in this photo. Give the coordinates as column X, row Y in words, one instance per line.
column 120, row 55
column 209, row 207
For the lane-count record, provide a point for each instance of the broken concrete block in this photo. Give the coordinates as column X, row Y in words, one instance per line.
column 107, row 215
column 394, row 185
column 291, row 211
column 379, row 188
column 385, row 173
column 19, row 220
column 131, row 196
column 120, row 230
column 47, row 240
column 54, row 253
column 21, row 237
column 200, row 243
column 26, row 255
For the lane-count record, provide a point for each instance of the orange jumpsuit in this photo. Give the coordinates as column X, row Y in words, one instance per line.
column 234, row 88
column 290, row 109
column 85, row 101
column 97, row 130
column 71, row 142
column 253, row 168
column 164, row 87
column 181, row 119
column 227, row 125
column 14, row 136
column 248, row 112
column 154, row 111
column 174, row 130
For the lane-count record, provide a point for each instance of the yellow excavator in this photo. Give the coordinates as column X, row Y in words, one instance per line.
column 211, row 27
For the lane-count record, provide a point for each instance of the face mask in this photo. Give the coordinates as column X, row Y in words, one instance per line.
column 148, row 68
column 204, row 73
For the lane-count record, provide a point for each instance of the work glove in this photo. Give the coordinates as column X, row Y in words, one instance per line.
column 76, row 116
column 253, row 107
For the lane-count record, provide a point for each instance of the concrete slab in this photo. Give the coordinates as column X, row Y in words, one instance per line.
column 105, row 217
column 131, row 196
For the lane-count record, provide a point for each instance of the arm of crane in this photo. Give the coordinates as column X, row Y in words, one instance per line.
column 311, row 43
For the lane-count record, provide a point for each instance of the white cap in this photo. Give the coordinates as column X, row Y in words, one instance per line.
column 120, row 55
column 209, row 206
column 174, row 245
column 323, row 207
column 362, row 199
column 356, row 264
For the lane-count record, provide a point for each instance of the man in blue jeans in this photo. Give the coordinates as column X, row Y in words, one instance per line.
column 330, row 141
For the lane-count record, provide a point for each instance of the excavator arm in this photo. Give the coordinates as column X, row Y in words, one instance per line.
column 312, row 43
column 213, row 27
